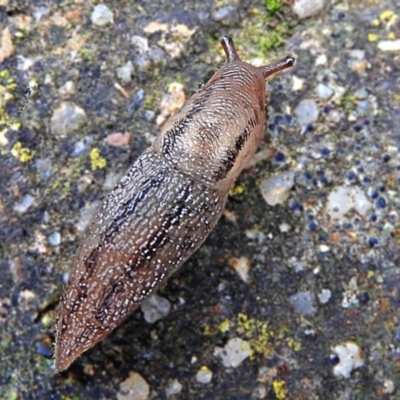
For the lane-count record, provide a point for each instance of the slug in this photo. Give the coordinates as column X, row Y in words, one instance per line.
column 166, row 205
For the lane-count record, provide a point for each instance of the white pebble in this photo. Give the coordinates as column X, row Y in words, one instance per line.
column 26, row 202
column 351, row 358
column 389, row 45
column 102, row 15
column 284, row 227
column 66, row 118
column 276, row 189
column 241, row 266
column 155, row 307
column 204, row 375
column 342, row 199
column 324, row 296
column 125, row 72
column 324, row 92
column 234, row 352
column 133, row 388
column 322, row 59
column 174, row 387
column 54, row 239
column 306, row 112
column 297, row 83
column 307, row 8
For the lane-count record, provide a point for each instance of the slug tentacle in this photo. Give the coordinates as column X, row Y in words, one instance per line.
column 285, row 63
column 165, row 206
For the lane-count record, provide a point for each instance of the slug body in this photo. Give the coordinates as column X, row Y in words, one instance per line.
column 165, row 206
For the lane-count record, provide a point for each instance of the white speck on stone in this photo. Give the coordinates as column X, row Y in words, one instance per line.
column 234, row 352
column 27, row 295
column 342, row 199
column 323, row 248
column 284, row 227
column 66, row 118
column 133, row 388
column 351, row 358
column 102, row 15
column 54, row 239
column 24, row 205
column 361, row 93
column 81, row 147
column 324, row 92
column 125, row 72
column 324, row 296
column 255, row 234
column 174, row 387
column 303, row 303
column 307, row 8
column 389, row 45
column 204, row 375
column 306, row 112
column 276, row 189
column 155, row 307
column 297, row 83
column 322, row 59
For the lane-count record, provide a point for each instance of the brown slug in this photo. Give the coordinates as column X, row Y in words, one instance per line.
column 165, row 206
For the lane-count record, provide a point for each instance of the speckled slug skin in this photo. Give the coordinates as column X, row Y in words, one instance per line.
column 165, row 206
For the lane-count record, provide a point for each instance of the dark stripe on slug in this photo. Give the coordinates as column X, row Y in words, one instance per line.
column 169, row 140
column 231, row 154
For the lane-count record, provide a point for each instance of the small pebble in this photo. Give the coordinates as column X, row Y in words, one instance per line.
column 133, row 388
column 54, row 239
column 306, row 112
column 276, row 189
column 324, row 296
column 388, row 386
column 350, row 358
column 118, row 139
column 204, row 375
column 324, row 92
column 137, row 102
column 307, row 8
column 102, row 15
column 174, row 387
column 241, row 266
column 155, row 307
column 303, row 303
column 226, row 14
column 67, row 89
column 66, row 118
column 125, row 72
column 389, row 45
column 24, row 205
column 234, row 352
column 342, row 199
column 260, row 391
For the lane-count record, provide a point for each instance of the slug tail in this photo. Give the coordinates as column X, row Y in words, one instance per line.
column 229, row 48
column 271, row 70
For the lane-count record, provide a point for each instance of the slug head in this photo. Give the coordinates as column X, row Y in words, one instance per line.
column 220, row 127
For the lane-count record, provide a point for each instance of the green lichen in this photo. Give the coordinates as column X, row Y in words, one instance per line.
column 96, row 160
column 22, row 154
column 273, row 6
column 279, row 388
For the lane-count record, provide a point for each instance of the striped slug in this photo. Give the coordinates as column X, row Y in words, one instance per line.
column 165, row 206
